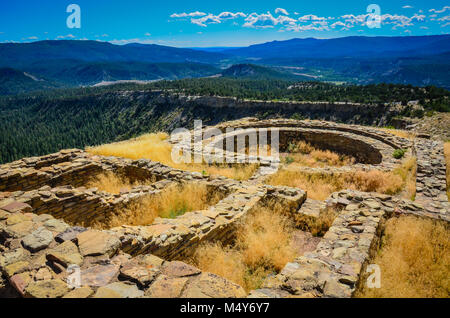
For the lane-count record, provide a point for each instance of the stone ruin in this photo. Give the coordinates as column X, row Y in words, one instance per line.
column 46, row 214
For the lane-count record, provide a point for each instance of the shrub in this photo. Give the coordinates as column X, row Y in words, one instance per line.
column 399, row 153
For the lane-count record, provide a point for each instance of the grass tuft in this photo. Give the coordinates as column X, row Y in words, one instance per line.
column 320, row 185
column 112, row 183
column 157, row 148
column 170, row 203
column 447, row 161
column 304, row 154
column 263, row 246
column 414, row 259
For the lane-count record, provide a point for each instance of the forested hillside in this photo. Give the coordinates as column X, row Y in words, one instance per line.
column 36, row 124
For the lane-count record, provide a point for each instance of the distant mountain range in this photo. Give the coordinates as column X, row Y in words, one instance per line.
column 423, row 60
column 346, row 47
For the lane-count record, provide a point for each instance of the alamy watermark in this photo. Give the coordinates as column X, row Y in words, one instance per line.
column 74, row 19
column 374, row 279
column 374, row 16
column 236, row 145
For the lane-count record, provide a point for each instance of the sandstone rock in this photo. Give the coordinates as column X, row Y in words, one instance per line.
column 19, row 230
column 70, row 234
column 99, row 275
column 106, row 293
column 372, row 204
column 82, row 292
column 336, row 290
column 138, row 273
column 43, row 274
column 167, row 287
column 208, row 285
column 16, row 218
column 4, row 215
column 42, row 218
column 93, row 242
column 119, row 290
column 179, row 269
column 13, row 256
column 65, row 254
column 339, row 252
column 16, row 207
column 38, row 239
column 20, row 282
column 16, row 268
column 56, row 225
column 53, row 288
column 268, row 293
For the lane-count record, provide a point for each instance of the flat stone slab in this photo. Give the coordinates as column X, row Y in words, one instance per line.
column 179, row 269
column 65, row 254
column 16, row 207
column 99, row 275
column 54, row 288
column 38, row 240
column 70, row 234
column 119, row 290
column 93, row 242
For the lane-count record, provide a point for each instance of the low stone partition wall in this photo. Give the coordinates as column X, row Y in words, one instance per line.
column 431, row 176
column 62, row 168
column 334, row 269
column 250, row 122
column 365, row 150
column 81, row 206
column 177, row 238
column 42, row 257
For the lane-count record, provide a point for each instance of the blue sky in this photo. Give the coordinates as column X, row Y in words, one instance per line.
column 217, row 23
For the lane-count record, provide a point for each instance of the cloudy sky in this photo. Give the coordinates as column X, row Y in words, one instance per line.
column 219, row 23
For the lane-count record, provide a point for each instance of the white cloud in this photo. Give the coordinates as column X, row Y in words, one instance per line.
column 68, row 36
column 209, row 19
column 147, row 34
column 203, row 19
column 281, row 10
column 306, row 22
column 185, row 15
column 338, row 23
column 262, row 21
column 310, row 17
column 231, row 15
column 440, row 11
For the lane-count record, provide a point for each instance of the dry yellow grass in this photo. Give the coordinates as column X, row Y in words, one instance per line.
column 414, row 259
column 316, row 226
column 447, row 161
column 112, row 183
column 263, row 246
column 157, row 148
column 170, row 203
column 320, row 185
column 304, row 154
column 408, row 172
column 399, row 133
